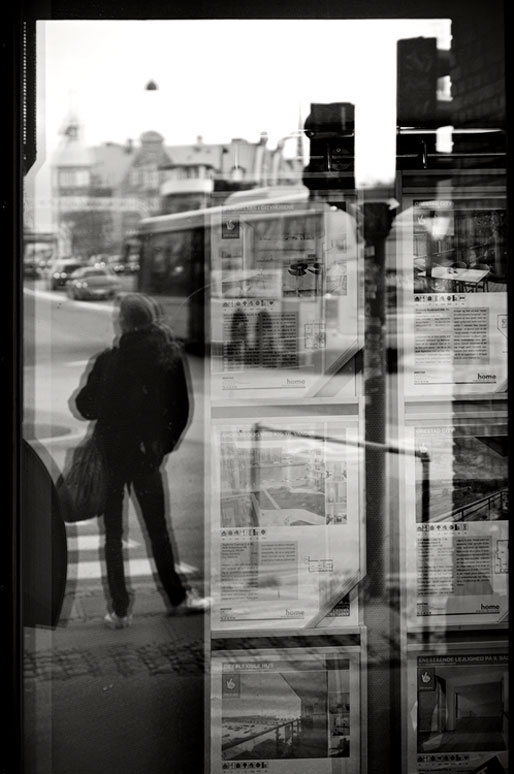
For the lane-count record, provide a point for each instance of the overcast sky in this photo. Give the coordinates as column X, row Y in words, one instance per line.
column 217, row 78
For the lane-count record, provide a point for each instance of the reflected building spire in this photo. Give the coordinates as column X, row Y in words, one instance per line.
column 71, row 127
column 72, row 151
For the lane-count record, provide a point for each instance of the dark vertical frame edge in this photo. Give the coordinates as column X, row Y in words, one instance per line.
column 11, row 660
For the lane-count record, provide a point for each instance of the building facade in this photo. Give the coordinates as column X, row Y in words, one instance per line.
column 100, row 193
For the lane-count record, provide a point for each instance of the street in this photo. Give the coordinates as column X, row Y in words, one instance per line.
column 96, row 699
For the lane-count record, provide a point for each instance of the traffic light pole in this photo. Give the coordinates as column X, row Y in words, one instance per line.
column 376, row 229
column 329, row 174
column 383, row 678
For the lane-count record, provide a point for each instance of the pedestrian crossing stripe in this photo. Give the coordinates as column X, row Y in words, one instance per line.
column 92, row 542
column 135, row 568
column 77, row 363
column 94, row 569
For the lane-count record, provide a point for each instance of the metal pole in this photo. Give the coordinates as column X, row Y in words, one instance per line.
column 383, row 678
column 376, row 229
column 425, row 487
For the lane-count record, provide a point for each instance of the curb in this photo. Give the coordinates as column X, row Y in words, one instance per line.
column 92, row 606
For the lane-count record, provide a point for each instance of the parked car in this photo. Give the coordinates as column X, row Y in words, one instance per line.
column 91, row 282
column 116, row 264
column 62, row 271
column 31, row 270
column 99, row 259
column 45, row 267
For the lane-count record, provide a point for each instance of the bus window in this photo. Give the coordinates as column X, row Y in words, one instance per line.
column 168, row 263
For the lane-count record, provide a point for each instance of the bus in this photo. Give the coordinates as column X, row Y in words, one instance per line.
column 268, row 280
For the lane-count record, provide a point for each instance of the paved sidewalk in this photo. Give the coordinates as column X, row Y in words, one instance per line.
column 101, row 700
column 156, row 642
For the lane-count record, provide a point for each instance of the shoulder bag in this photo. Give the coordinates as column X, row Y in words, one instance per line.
column 82, row 486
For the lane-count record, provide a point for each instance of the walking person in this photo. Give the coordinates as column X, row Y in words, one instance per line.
column 137, row 392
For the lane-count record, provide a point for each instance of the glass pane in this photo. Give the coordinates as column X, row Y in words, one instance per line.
column 265, row 493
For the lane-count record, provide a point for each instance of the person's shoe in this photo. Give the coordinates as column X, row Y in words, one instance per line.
column 114, row 621
column 192, row 603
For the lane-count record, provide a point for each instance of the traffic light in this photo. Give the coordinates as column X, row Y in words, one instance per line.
column 420, row 65
column 331, row 131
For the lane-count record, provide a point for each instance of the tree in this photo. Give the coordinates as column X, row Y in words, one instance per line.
column 91, row 231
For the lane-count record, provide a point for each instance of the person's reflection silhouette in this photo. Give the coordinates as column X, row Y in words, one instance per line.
column 238, row 344
column 264, row 348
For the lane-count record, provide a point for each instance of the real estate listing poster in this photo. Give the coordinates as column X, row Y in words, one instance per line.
column 286, row 710
column 284, row 293
column 457, row 549
column 457, row 713
column 453, row 320
column 286, row 522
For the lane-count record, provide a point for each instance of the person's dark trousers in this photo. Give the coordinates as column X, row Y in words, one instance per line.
column 149, row 490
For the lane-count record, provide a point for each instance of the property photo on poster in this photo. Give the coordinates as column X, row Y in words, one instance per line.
column 458, row 715
column 286, row 710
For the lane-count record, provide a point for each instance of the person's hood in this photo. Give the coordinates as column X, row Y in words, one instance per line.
column 147, row 348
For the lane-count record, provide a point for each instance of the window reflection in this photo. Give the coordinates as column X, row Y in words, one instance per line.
column 339, row 499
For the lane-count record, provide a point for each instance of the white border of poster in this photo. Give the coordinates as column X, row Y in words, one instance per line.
column 457, row 708
column 286, row 300
column 286, row 710
column 457, row 554
column 286, row 523
column 453, row 339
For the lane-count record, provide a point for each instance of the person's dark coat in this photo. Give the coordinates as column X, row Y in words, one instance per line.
column 138, row 393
